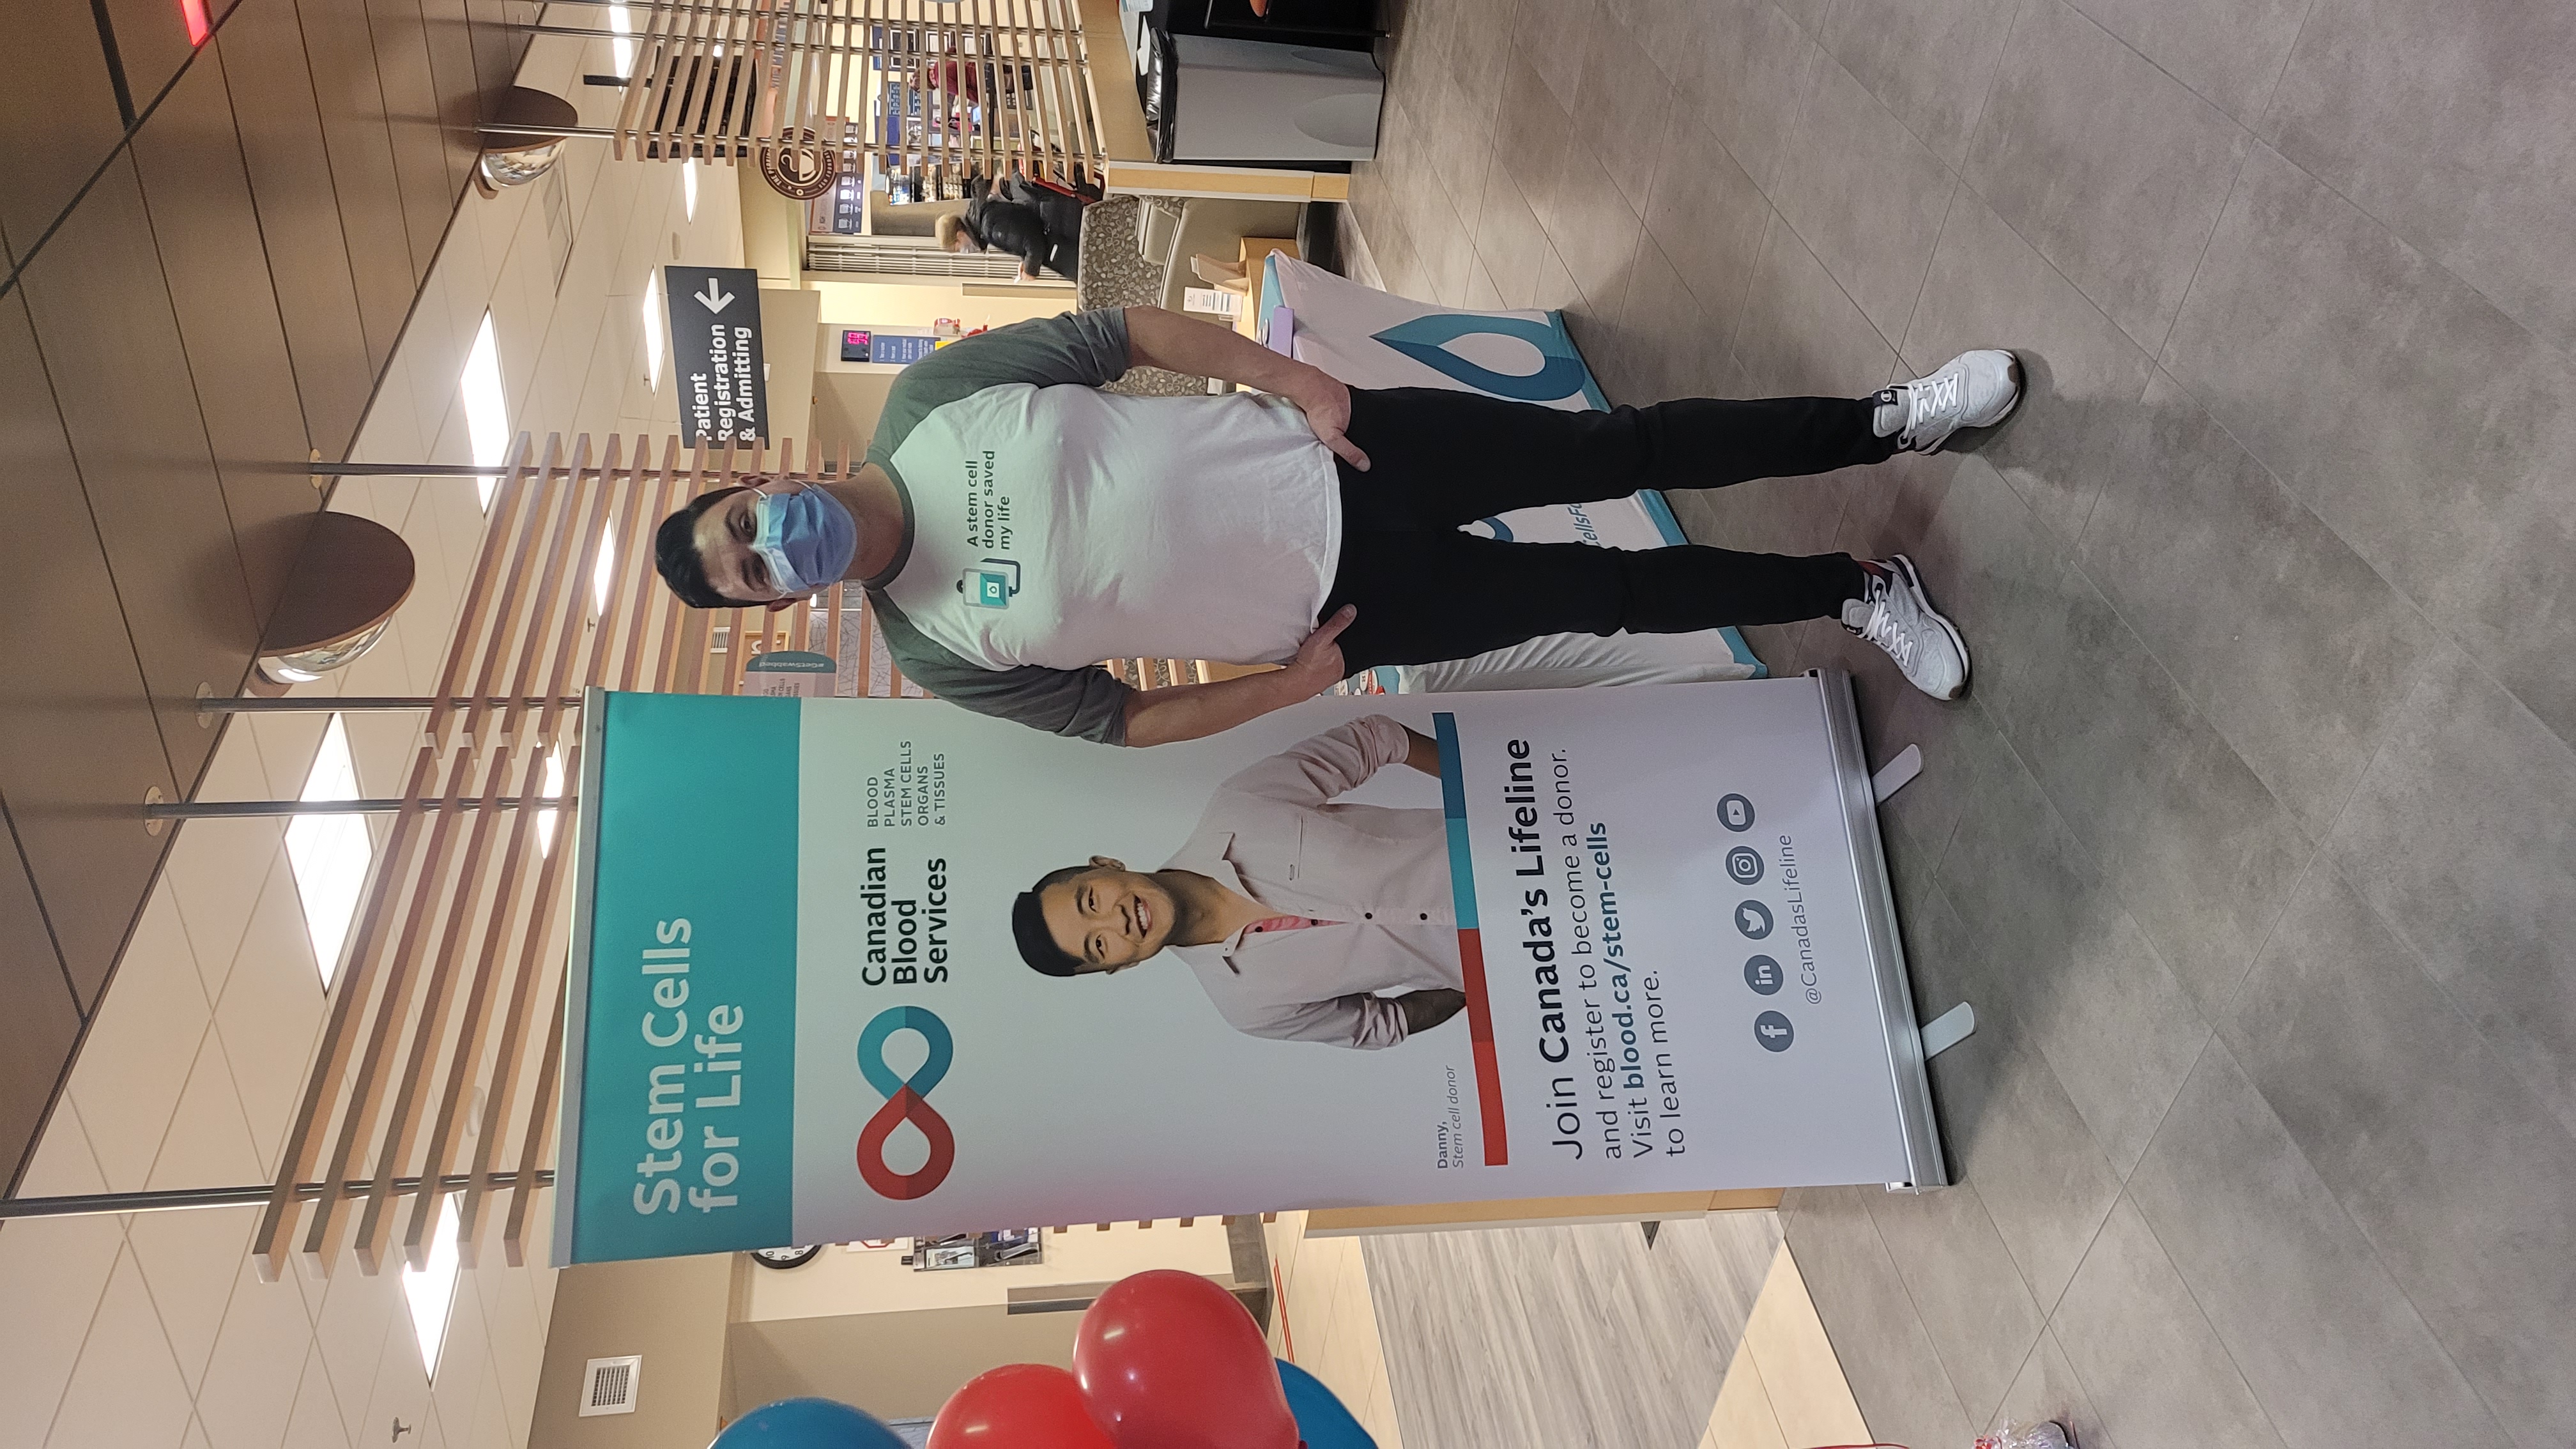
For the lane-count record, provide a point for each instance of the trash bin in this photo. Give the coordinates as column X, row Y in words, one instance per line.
column 1212, row 99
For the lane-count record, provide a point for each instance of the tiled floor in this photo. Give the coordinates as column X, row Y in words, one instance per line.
column 211, row 253
column 151, row 1330
column 1327, row 1322
column 1566, row 1335
column 2251, row 844
column 1784, row 1388
column 1403, row 1328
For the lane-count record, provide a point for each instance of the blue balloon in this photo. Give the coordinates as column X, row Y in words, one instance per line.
column 806, row 1424
column 1321, row 1420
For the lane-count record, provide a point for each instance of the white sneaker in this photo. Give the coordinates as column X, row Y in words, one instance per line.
column 1897, row 616
column 1972, row 390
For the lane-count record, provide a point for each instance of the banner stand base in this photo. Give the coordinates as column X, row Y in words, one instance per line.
column 1896, row 774
column 1948, row 1029
column 1535, row 1212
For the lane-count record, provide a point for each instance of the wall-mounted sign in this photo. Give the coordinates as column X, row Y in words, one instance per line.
column 863, row 344
column 715, row 352
column 1404, row 949
column 791, row 674
column 850, row 204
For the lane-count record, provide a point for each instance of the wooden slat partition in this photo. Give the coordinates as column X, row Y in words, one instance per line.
column 999, row 85
column 440, row 1052
column 357, row 972
column 439, row 1044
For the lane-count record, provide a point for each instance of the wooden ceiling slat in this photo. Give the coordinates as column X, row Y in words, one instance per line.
column 498, row 913
column 539, row 1142
column 853, row 73
column 367, row 1087
column 357, row 975
column 642, row 609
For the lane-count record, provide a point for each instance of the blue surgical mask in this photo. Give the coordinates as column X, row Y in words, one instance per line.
column 807, row 538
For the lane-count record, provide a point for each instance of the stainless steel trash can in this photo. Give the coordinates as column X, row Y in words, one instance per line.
column 1216, row 100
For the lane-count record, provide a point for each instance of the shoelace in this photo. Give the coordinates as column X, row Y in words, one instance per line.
column 1885, row 629
column 1927, row 399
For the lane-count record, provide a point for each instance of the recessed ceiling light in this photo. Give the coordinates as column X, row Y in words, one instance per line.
column 554, row 790
column 605, row 573
column 621, row 21
column 487, row 405
column 431, row 1291
column 330, row 853
column 653, row 332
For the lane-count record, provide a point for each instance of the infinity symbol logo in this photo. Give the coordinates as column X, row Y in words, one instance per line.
column 904, row 1103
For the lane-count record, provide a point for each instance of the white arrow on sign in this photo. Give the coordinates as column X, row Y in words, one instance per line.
column 715, row 299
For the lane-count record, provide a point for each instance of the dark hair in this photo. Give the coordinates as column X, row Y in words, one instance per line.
column 675, row 554
column 1029, row 928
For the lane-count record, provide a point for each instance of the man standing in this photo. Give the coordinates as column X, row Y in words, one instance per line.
column 1295, row 911
column 1015, row 525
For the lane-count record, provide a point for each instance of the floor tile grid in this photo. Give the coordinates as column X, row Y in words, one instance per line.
column 2306, row 868
column 1802, row 1381
column 2261, row 130
column 1395, row 219
column 2331, row 825
column 1777, row 221
column 1744, row 1417
column 2042, row 1344
column 1566, row 1335
column 1326, row 1323
column 2232, row 186
column 2305, row 865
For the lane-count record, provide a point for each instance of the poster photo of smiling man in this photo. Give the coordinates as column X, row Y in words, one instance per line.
column 1305, row 917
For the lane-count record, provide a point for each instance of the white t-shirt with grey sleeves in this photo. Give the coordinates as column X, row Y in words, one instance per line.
column 1049, row 525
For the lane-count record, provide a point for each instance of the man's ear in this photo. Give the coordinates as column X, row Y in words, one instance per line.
column 775, row 605
column 1103, row 862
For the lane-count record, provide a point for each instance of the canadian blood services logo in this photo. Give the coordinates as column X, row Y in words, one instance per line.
column 906, row 1101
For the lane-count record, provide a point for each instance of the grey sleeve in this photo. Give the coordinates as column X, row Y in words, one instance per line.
column 1085, row 704
column 1087, row 349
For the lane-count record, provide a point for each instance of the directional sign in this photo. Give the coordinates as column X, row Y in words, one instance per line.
column 715, row 352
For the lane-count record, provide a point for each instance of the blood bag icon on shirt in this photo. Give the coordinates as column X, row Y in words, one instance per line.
column 990, row 583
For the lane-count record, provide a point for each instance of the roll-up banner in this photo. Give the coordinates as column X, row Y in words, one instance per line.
column 866, row 968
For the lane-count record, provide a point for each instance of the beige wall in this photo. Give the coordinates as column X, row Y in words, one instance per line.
column 846, row 406
column 919, row 303
column 788, row 315
column 773, row 228
column 848, row 397
column 894, row 1365
column 670, row 1310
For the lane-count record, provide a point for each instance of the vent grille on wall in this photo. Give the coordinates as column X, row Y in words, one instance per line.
column 608, row 1385
column 905, row 257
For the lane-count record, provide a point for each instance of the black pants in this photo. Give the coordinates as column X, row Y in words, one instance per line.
column 1427, row 591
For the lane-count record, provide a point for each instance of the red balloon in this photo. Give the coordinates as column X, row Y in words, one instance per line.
column 1168, row 1360
column 1017, row 1406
